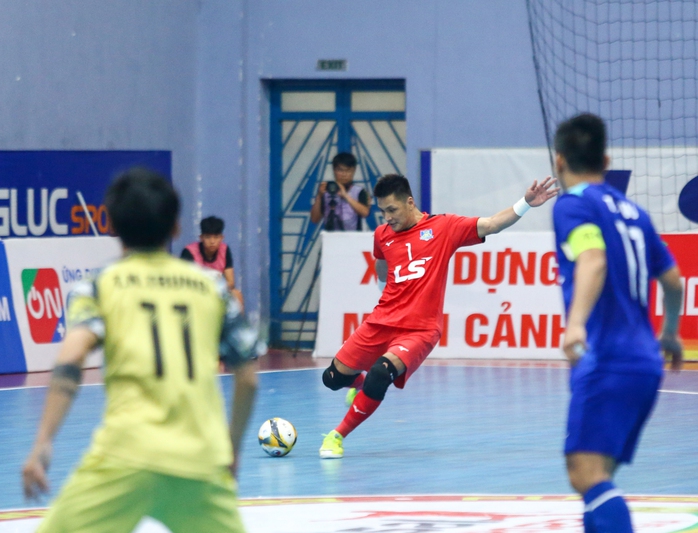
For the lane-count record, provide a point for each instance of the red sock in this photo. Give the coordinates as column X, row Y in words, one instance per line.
column 358, row 382
column 360, row 410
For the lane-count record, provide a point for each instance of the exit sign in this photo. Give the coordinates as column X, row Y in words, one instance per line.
column 331, row 64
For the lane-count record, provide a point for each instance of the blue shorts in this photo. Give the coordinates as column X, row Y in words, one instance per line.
column 608, row 411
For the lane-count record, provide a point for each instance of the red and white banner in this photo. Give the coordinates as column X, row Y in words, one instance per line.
column 502, row 298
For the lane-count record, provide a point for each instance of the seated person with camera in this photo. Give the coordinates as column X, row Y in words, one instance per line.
column 341, row 204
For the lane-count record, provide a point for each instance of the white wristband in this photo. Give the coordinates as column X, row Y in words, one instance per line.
column 521, row 207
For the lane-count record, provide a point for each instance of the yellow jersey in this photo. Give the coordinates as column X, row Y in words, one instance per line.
column 160, row 321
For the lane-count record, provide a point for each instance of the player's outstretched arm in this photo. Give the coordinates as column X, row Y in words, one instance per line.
column 64, row 384
column 589, row 278
column 536, row 195
column 240, row 346
column 243, row 400
column 673, row 296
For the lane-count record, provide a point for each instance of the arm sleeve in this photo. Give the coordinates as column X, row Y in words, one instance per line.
column 463, row 230
column 659, row 258
column 186, row 255
column 228, row 258
column 363, row 197
column 377, row 252
column 570, row 212
column 582, row 238
column 240, row 342
column 83, row 309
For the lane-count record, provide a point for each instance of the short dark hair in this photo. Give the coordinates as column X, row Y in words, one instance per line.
column 393, row 184
column 212, row 226
column 344, row 158
column 143, row 208
column 581, row 140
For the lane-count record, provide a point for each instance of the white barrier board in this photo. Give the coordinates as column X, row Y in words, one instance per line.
column 481, row 181
column 42, row 273
column 502, row 299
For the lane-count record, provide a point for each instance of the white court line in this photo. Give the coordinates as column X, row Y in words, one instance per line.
column 101, row 384
column 281, row 370
column 45, row 386
column 272, row 372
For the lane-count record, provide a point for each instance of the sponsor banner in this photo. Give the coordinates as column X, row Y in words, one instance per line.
column 391, row 514
column 42, row 273
column 11, row 350
column 48, row 193
column 502, row 298
column 685, row 250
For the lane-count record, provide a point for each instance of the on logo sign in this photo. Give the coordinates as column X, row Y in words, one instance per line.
column 44, row 302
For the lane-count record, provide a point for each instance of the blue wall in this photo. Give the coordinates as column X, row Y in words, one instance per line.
column 188, row 76
column 467, row 65
column 100, row 76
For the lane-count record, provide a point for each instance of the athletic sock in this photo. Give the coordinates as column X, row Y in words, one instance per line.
column 359, row 381
column 360, row 410
column 606, row 509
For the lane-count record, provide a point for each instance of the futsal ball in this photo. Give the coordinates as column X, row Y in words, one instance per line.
column 277, row 437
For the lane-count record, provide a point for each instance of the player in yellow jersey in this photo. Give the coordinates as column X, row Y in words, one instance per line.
column 164, row 448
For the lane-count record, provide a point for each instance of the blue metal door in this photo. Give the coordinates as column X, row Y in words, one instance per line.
column 310, row 123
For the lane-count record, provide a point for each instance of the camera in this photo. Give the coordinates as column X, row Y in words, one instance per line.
column 332, row 187
column 333, row 222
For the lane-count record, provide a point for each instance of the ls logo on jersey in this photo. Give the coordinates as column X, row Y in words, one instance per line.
column 415, row 268
column 426, row 235
column 44, row 301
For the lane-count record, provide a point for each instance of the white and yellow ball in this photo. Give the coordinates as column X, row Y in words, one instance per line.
column 277, row 437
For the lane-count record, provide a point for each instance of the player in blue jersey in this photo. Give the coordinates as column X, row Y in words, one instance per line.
column 608, row 251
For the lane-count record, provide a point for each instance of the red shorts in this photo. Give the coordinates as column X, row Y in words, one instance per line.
column 370, row 341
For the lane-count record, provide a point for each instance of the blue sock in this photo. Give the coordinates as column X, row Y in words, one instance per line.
column 605, row 510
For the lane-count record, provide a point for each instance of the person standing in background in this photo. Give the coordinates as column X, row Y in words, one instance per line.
column 341, row 204
column 211, row 252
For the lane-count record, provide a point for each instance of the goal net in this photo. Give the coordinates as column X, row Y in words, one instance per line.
column 634, row 63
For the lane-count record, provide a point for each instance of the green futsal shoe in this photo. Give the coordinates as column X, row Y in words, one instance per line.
column 350, row 396
column 332, row 446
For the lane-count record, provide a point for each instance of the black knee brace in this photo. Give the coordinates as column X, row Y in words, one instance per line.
column 379, row 378
column 333, row 379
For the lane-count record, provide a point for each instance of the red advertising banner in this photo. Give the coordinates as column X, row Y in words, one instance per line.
column 684, row 246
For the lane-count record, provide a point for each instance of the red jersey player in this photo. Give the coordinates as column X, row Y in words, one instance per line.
column 412, row 250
